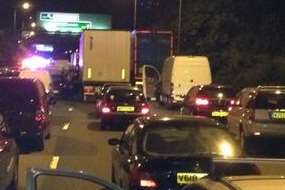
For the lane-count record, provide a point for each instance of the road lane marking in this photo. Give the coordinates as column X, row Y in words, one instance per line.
column 54, row 162
column 66, row 126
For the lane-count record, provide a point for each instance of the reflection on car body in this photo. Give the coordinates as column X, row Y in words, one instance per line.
column 167, row 153
column 9, row 157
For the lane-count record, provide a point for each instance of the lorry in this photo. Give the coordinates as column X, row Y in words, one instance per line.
column 150, row 49
column 105, row 57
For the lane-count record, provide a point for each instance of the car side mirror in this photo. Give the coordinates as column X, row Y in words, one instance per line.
column 6, row 133
column 114, row 142
column 56, row 179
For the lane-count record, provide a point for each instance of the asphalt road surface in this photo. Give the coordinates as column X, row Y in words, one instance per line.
column 77, row 143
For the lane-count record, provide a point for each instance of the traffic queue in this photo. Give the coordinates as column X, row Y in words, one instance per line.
column 155, row 152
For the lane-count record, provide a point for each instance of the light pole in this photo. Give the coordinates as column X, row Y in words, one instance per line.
column 179, row 26
column 25, row 6
column 135, row 14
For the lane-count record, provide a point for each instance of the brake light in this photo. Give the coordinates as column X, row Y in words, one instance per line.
column 40, row 115
column 106, row 109
column 142, row 178
column 145, row 110
column 201, row 102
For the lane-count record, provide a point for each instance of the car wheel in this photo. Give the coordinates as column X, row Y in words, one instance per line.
column 104, row 124
column 113, row 176
column 14, row 183
column 40, row 142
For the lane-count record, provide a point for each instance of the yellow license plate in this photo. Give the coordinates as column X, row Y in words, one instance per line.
column 220, row 114
column 187, row 178
column 278, row 115
column 125, row 109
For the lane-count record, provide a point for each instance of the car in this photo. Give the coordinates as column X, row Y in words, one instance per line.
column 103, row 90
column 25, row 105
column 209, row 100
column 9, row 157
column 258, row 115
column 159, row 152
column 240, row 174
column 122, row 105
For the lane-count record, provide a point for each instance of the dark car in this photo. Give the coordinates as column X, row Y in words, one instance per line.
column 168, row 152
column 103, row 91
column 122, row 105
column 9, row 158
column 209, row 100
column 24, row 104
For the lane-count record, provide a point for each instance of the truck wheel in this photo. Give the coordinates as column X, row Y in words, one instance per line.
column 104, row 124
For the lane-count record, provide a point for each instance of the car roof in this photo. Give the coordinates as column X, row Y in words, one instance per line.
column 178, row 118
column 214, row 86
column 261, row 182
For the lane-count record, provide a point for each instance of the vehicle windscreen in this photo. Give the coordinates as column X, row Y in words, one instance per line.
column 188, row 139
column 123, row 95
column 270, row 101
column 217, row 93
column 18, row 92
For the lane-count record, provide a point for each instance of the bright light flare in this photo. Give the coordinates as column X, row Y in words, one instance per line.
column 35, row 62
column 226, row 149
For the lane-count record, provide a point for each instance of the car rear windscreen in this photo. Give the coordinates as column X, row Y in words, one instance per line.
column 217, row 93
column 122, row 95
column 270, row 101
column 185, row 140
column 18, row 91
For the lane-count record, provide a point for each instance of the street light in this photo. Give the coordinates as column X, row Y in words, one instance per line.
column 33, row 25
column 179, row 26
column 24, row 6
column 135, row 14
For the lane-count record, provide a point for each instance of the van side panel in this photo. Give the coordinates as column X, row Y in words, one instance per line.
column 190, row 72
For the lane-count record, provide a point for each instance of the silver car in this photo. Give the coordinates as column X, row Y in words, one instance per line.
column 259, row 113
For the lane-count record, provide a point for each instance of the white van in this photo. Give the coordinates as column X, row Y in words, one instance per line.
column 181, row 73
column 42, row 75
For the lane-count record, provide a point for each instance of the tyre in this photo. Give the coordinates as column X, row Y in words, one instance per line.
column 113, row 176
column 40, row 143
column 14, row 183
column 104, row 124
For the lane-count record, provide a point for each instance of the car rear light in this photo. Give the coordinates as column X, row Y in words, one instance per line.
column 145, row 110
column 106, row 109
column 142, row 179
column 40, row 115
column 202, row 102
column 232, row 102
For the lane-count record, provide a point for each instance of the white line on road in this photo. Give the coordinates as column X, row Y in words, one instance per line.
column 54, row 162
column 66, row 126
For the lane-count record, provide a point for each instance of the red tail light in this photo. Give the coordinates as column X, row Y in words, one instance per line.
column 142, row 179
column 202, row 102
column 145, row 109
column 40, row 115
column 106, row 109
